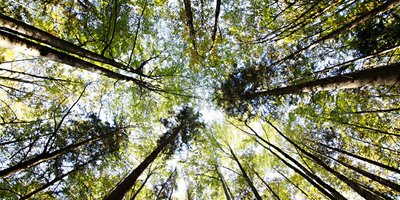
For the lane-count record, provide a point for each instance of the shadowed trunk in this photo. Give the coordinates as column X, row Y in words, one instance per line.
column 8, row 40
column 352, row 184
column 48, row 156
column 125, row 185
column 246, row 177
column 36, row 34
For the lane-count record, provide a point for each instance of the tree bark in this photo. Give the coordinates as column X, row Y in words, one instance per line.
column 8, row 40
column 386, row 75
column 246, row 177
column 48, row 156
column 125, row 185
column 36, row 34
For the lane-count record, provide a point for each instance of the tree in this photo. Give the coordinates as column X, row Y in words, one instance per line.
column 186, row 126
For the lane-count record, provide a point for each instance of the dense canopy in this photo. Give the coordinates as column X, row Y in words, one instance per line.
column 199, row 99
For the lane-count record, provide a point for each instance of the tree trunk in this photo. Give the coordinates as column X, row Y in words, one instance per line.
column 125, row 185
column 393, row 169
column 373, row 177
column 246, row 177
column 362, row 18
column 8, row 40
column 386, row 75
column 141, row 187
column 276, row 196
column 223, row 183
column 36, row 34
column 48, row 156
column 291, row 182
column 361, row 191
column 309, row 176
column 59, row 178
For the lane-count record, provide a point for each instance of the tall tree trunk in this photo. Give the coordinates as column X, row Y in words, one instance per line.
column 36, row 34
column 274, row 194
column 386, row 75
column 360, row 19
column 352, row 184
column 372, row 176
column 291, row 182
column 48, row 156
column 125, row 185
column 246, row 177
column 8, row 40
column 189, row 18
column 56, row 179
column 223, row 183
column 141, row 186
column 309, row 176
column 393, row 169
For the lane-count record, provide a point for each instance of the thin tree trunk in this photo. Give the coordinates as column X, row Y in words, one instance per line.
column 332, row 194
column 276, row 196
column 34, row 33
column 125, row 185
column 393, row 169
column 223, row 183
column 59, row 178
column 372, row 111
column 306, row 174
column 48, row 156
column 8, row 40
column 361, row 191
column 246, row 177
column 141, row 186
column 386, row 75
column 189, row 18
column 362, row 18
column 373, row 177
column 291, row 182
column 217, row 11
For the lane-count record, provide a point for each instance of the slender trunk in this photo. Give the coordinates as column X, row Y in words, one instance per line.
column 332, row 194
column 372, row 111
column 246, row 177
column 372, row 176
column 34, row 33
column 165, row 183
column 310, row 177
column 386, row 75
column 48, row 156
column 125, row 185
column 276, row 196
column 291, row 182
column 189, row 18
column 361, row 191
column 362, row 18
column 141, row 187
column 306, row 175
column 393, row 169
column 223, row 183
column 59, row 178
column 8, row 40
column 217, row 11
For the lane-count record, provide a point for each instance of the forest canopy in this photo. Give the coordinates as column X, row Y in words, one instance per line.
column 198, row 99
